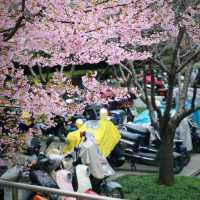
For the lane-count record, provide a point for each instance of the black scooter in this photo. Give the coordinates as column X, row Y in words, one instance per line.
column 145, row 141
column 195, row 137
column 134, row 150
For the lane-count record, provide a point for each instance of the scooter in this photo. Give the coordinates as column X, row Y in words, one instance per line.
column 195, row 136
column 144, row 135
column 134, row 152
column 71, row 177
column 88, row 154
column 27, row 174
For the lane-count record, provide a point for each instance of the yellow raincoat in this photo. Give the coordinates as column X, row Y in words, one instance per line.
column 106, row 136
column 73, row 139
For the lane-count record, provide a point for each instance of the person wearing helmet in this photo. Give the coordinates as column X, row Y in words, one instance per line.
column 74, row 138
column 107, row 135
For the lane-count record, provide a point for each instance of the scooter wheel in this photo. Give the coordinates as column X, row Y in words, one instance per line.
column 178, row 165
column 116, row 193
column 196, row 147
column 186, row 158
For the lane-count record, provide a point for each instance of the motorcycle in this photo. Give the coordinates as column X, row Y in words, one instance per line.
column 151, row 139
column 135, row 149
column 28, row 174
column 88, row 154
column 195, row 133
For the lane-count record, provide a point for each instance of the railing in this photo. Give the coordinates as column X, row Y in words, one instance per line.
column 11, row 191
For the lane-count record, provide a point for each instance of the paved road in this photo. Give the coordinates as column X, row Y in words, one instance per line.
column 192, row 169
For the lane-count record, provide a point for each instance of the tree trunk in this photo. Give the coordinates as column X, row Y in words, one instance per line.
column 166, row 174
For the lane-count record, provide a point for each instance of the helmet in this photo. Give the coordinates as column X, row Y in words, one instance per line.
column 79, row 123
column 103, row 113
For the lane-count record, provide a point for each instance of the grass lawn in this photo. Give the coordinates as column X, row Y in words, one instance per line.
column 145, row 188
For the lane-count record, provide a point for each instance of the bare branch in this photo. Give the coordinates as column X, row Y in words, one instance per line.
column 153, row 102
column 160, row 64
column 126, row 68
column 9, row 35
column 193, row 57
column 149, row 104
column 172, row 78
column 136, row 83
column 32, row 72
column 184, row 88
column 41, row 75
column 10, row 32
column 23, row 5
column 122, row 73
column 175, row 53
column 115, row 72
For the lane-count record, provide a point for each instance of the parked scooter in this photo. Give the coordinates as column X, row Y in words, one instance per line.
column 88, row 154
column 195, row 136
column 135, row 147
column 146, row 141
column 29, row 174
column 66, row 172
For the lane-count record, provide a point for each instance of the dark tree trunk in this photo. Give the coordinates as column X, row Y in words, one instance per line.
column 166, row 174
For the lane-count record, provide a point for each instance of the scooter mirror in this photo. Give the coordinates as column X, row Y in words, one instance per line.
column 69, row 177
column 88, row 171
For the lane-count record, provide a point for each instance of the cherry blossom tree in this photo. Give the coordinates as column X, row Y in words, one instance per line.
column 52, row 33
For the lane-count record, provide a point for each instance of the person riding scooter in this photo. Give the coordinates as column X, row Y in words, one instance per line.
column 106, row 135
column 74, row 138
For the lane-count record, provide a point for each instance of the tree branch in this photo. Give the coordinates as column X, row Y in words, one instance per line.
column 23, row 5
column 153, row 101
column 122, row 73
column 175, row 53
column 41, row 75
column 126, row 68
column 183, row 90
column 188, row 61
column 148, row 103
column 8, row 36
column 115, row 73
column 172, row 79
column 136, row 82
column 32, row 72
column 72, row 70
column 12, row 31
column 157, row 62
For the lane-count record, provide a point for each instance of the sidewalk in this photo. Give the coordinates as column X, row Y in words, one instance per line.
column 192, row 169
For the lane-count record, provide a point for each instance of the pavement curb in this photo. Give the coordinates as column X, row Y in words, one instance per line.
column 196, row 173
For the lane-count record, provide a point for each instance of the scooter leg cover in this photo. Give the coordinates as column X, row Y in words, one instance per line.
column 82, row 174
column 185, row 134
column 64, row 182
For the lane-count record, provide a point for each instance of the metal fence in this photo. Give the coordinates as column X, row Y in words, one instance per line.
column 11, row 191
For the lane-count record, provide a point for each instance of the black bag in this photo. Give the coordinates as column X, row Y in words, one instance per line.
column 42, row 178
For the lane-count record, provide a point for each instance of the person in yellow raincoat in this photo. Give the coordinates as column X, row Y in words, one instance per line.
column 106, row 135
column 74, row 138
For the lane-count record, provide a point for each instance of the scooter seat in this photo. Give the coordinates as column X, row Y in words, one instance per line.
column 137, row 129
column 130, row 136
